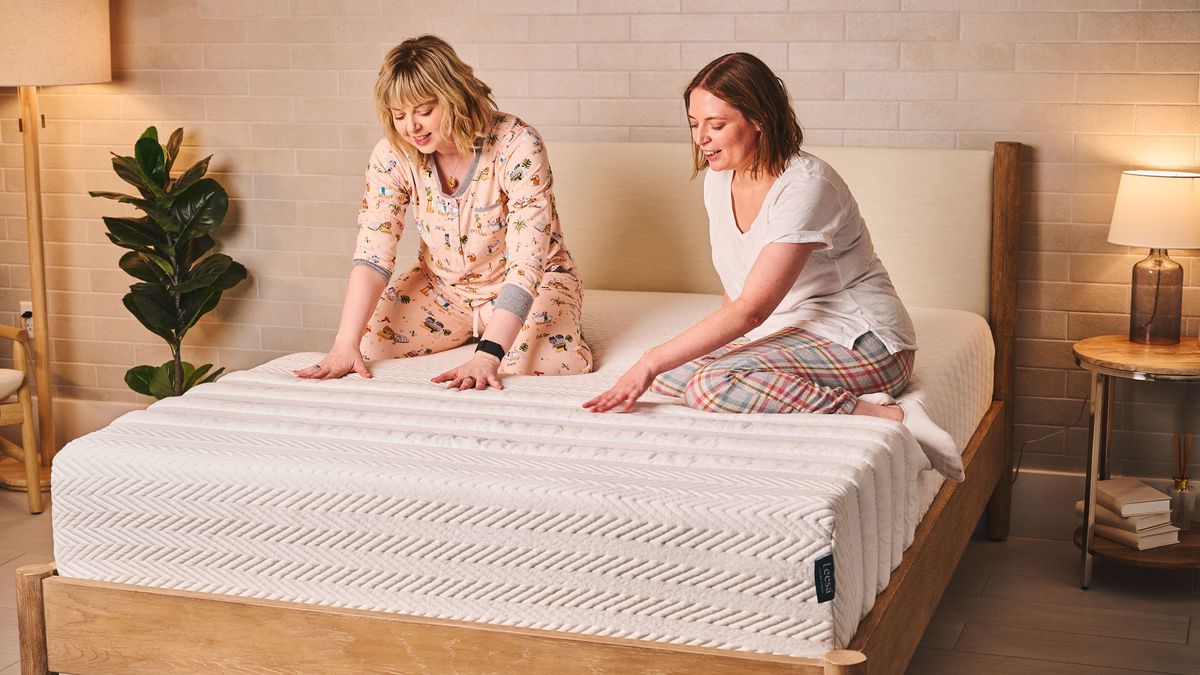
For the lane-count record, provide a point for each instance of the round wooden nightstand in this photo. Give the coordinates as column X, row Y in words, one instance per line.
column 1107, row 357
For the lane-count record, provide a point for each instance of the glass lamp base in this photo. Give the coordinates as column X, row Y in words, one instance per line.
column 1156, row 300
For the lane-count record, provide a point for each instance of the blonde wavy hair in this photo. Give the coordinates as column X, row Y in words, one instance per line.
column 426, row 68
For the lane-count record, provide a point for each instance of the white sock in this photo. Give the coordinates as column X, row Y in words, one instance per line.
column 878, row 398
column 939, row 447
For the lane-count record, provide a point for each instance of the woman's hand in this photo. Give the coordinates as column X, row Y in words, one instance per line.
column 478, row 373
column 626, row 391
column 340, row 361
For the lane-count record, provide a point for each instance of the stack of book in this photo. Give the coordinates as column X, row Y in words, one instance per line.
column 1132, row 513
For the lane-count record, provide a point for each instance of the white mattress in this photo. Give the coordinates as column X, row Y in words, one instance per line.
column 518, row 507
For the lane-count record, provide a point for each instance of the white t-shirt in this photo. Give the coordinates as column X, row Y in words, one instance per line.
column 843, row 291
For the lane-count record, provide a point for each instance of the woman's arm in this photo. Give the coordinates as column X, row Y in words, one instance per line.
column 527, row 182
column 380, row 224
column 771, row 277
column 362, row 294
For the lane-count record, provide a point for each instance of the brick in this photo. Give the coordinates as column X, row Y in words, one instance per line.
column 162, row 57
column 907, row 26
column 1020, row 27
column 1042, row 382
column 200, row 82
column 297, row 339
column 336, row 57
column 225, row 8
column 332, row 109
column 1046, row 207
column 1168, row 58
column 1082, row 325
column 1076, row 58
column 847, row 5
column 629, row 56
column 528, row 56
column 503, row 82
column 527, row 6
column 1162, row 119
column 579, row 83
column 899, row 139
column 661, row 85
column 955, row 56
column 383, row 30
column 1139, row 88
column 717, row 6
column 341, row 7
column 1139, row 26
column 846, row 114
column 270, row 135
column 1066, row 5
column 590, row 134
column 159, row 108
column 604, row 28
column 1134, row 150
column 628, row 6
column 843, row 56
column 1044, row 266
column 457, row 30
column 263, row 213
column 696, row 55
column 291, row 30
column 1075, row 297
column 294, row 83
column 1013, row 87
column 1095, row 209
column 789, row 27
column 1015, row 116
column 1041, row 324
column 202, row 31
column 633, row 111
column 1041, row 146
column 681, row 28
column 901, row 86
column 247, row 57
column 1102, row 268
column 329, row 162
column 540, row 111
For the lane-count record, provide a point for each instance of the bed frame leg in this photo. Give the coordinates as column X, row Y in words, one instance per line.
column 31, row 619
column 845, row 662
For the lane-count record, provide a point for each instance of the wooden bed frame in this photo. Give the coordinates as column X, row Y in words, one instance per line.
column 89, row 627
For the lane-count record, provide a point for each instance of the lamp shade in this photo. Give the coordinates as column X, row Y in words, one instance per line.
column 1157, row 209
column 48, row 42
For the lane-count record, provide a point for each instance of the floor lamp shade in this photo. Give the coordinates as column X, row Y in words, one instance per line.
column 1158, row 210
column 42, row 43
column 49, row 42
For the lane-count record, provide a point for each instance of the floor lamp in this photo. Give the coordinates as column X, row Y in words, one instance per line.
column 47, row 42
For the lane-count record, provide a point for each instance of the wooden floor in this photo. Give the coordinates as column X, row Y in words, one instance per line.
column 1013, row 607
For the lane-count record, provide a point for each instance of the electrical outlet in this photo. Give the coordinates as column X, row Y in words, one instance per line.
column 27, row 316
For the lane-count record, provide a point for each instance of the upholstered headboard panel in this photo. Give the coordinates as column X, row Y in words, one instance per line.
column 634, row 219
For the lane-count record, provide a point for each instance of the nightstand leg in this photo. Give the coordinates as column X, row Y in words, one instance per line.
column 1110, row 385
column 1098, row 409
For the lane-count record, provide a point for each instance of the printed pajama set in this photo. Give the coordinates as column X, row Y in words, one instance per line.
column 839, row 333
column 495, row 243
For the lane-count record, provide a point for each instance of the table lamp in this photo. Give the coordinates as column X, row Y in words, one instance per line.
column 47, row 42
column 1158, row 210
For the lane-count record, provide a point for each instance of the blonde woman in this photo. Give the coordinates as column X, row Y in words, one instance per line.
column 492, row 265
column 811, row 321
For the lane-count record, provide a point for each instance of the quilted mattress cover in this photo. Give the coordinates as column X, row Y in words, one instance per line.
column 517, row 507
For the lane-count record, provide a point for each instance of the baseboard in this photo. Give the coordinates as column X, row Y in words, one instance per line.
column 1043, row 503
column 75, row 417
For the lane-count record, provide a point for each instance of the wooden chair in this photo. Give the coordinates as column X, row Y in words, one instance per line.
column 19, row 410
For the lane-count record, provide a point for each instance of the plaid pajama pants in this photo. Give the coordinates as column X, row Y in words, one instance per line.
column 792, row 370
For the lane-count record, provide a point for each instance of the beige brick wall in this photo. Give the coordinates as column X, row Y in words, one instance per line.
column 279, row 91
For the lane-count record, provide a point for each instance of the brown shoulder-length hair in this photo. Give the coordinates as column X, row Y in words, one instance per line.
column 743, row 81
column 426, row 68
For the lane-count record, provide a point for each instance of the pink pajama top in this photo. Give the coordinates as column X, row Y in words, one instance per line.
column 491, row 240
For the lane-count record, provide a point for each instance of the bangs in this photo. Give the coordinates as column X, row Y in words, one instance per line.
column 409, row 87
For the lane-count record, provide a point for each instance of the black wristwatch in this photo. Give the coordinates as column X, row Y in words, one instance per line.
column 489, row 347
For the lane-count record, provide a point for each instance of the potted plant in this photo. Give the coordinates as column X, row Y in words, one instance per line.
column 170, row 254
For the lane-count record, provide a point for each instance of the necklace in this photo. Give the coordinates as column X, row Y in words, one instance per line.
column 451, row 180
